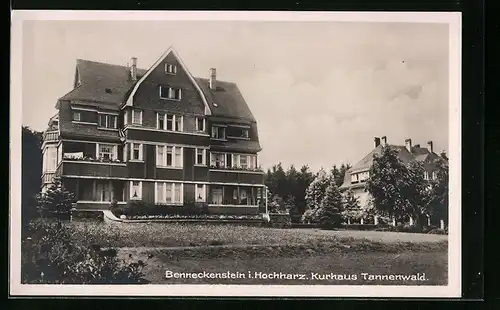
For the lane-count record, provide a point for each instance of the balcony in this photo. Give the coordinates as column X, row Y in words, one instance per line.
column 50, row 136
column 86, row 168
column 235, row 175
column 47, row 177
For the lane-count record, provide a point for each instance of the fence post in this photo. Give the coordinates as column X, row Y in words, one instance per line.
column 375, row 220
column 393, row 221
column 411, row 221
column 362, row 222
column 441, row 224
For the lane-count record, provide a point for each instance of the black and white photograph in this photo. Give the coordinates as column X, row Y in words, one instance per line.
column 235, row 154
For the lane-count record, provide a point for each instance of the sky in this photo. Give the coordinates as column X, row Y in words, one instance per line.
column 320, row 91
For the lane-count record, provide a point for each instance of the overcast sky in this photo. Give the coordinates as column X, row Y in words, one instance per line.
column 320, row 91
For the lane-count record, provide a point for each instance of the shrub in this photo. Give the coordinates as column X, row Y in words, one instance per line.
column 135, row 208
column 438, row 231
column 50, row 255
column 56, row 200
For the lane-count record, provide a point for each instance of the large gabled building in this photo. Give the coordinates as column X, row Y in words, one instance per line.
column 159, row 135
column 355, row 178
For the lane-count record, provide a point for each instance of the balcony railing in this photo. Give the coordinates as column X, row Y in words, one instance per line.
column 50, row 136
column 48, row 177
column 83, row 168
column 238, row 169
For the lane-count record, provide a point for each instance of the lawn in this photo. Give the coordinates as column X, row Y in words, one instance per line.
column 179, row 235
column 313, row 253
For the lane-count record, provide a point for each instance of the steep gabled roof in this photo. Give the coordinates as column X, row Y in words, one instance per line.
column 111, row 84
column 101, row 82
column 226, row 100
column 367, row 161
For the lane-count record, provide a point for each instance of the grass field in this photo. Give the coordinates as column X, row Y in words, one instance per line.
column 194, row 248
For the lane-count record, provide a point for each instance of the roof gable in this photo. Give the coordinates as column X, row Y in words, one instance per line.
column 170, row 50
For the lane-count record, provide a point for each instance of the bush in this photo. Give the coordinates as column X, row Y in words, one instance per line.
column 438, row 231
column 50, row 255
column 140, row 208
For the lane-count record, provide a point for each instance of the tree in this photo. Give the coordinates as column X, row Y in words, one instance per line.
column 31, row 172
column 329, row 212
column 384, row 183
column 277, row 204
column 398, row 190
column 56, row 199
column 338, row 174
column 415, row 193
column 316, row 190
column 352, row 208
column 438, row 193
column 315, row 194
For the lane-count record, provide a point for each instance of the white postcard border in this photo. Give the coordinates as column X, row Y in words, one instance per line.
column 453, row 289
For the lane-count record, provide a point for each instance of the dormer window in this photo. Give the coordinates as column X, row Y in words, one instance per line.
column 244, row 133
column 77, row 116
column 170, row 93
column 218, row 132
column 170, row 68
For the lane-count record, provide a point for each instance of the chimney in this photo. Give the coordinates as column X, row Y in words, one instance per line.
column 384, row 141
column 133, row 69
column 408, row 144
column 377, row 141
column 430, row 146
column 213, row 79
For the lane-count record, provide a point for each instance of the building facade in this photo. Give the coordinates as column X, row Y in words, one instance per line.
column 158, row 135
column 355, row 178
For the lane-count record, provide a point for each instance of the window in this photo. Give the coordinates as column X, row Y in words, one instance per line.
column 50, row 159
column 170, row 159
column 218, row 160
column 200, row 124
column 160, row 121
column 177, row 193
column 160, row 155
column 137, row 117
column 169, row 156
column 244, row 161
column 426, row 175
column 125, row 118
column 103, row 190
column 363, row 176
column 178, row 156
column 235, row 160
column 354, row 178
column 244, row 133
column 160, row 192
column 200, row 193
column 170, row 122
column 243, row 196
column 135, row 190
column 434, row 175
column 170, row 93
column 125, row 152
column 200, row 156
column 217, row 195
column 106, row 151
column 108, row 121
column 218, row 132
column 178, row 123
column 170, row 68
column 77, row 116
column 136, row 151
column 169, row 193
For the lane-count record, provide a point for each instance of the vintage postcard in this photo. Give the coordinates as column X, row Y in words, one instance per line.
column 260, row 154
